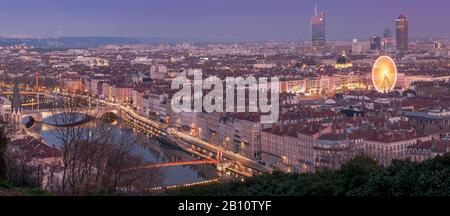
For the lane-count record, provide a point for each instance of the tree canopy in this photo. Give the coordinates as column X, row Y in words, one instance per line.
column 361, row 176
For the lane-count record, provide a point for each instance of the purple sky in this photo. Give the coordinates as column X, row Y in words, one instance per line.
column 220, row 19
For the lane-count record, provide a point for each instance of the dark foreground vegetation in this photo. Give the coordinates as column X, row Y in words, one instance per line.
column 361, row 176
column 7, row 189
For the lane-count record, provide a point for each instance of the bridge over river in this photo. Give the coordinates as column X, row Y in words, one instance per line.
column 182, row 166
column 239, row 164
column 83, row 115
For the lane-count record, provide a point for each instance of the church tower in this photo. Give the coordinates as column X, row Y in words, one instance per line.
column 16, row 106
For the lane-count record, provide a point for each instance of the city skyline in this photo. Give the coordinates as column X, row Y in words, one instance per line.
column 224, row 98
column 227, row 21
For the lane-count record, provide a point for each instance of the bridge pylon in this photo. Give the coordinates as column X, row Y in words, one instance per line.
column 36, row 76
column 219, row 155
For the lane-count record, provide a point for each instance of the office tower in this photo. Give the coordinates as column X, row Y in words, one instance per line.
column 375, row 43
column 389, row 42
column 318, row 28
column 402, row 33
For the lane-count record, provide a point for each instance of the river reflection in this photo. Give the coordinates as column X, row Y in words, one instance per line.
column 153, row 151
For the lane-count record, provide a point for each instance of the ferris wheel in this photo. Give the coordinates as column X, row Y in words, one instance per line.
column 384, row 74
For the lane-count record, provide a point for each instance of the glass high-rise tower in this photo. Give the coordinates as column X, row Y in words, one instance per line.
column 318, row 28
column 402, row 33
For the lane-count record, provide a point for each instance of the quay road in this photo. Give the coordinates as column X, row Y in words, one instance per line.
column 225, row 153
column 176, row 135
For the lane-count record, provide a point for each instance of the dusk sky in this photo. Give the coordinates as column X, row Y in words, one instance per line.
column 220, row 19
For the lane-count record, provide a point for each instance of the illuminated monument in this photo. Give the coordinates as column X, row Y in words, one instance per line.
column 384, row 74
column 343, row 61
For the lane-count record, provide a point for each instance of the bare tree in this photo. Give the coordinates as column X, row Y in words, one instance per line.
column 97, row 157
column 3, row 148
column 20, row 171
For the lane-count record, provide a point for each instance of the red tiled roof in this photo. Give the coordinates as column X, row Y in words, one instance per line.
column 436, row 146
column 395, row 136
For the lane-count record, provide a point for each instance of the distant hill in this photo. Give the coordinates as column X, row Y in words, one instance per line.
column 82, row 42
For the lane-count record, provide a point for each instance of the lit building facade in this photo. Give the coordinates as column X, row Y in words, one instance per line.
column 291, row 150
column 393, row 145
column 331, row 151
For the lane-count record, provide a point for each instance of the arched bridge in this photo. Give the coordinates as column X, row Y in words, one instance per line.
column 89, row 113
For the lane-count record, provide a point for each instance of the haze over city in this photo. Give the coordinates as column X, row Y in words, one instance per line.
column 230, row 20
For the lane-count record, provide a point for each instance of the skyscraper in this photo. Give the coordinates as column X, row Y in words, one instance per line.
column 388, row 41
column 318, row 28
column 375, row 43
column 402, row 33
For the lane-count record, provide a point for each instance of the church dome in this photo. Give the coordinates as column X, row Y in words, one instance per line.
column 343, row 61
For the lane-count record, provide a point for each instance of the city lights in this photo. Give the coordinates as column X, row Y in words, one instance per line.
column 243, row 100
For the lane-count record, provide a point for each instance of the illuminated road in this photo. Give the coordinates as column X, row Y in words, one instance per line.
column 226, row 154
